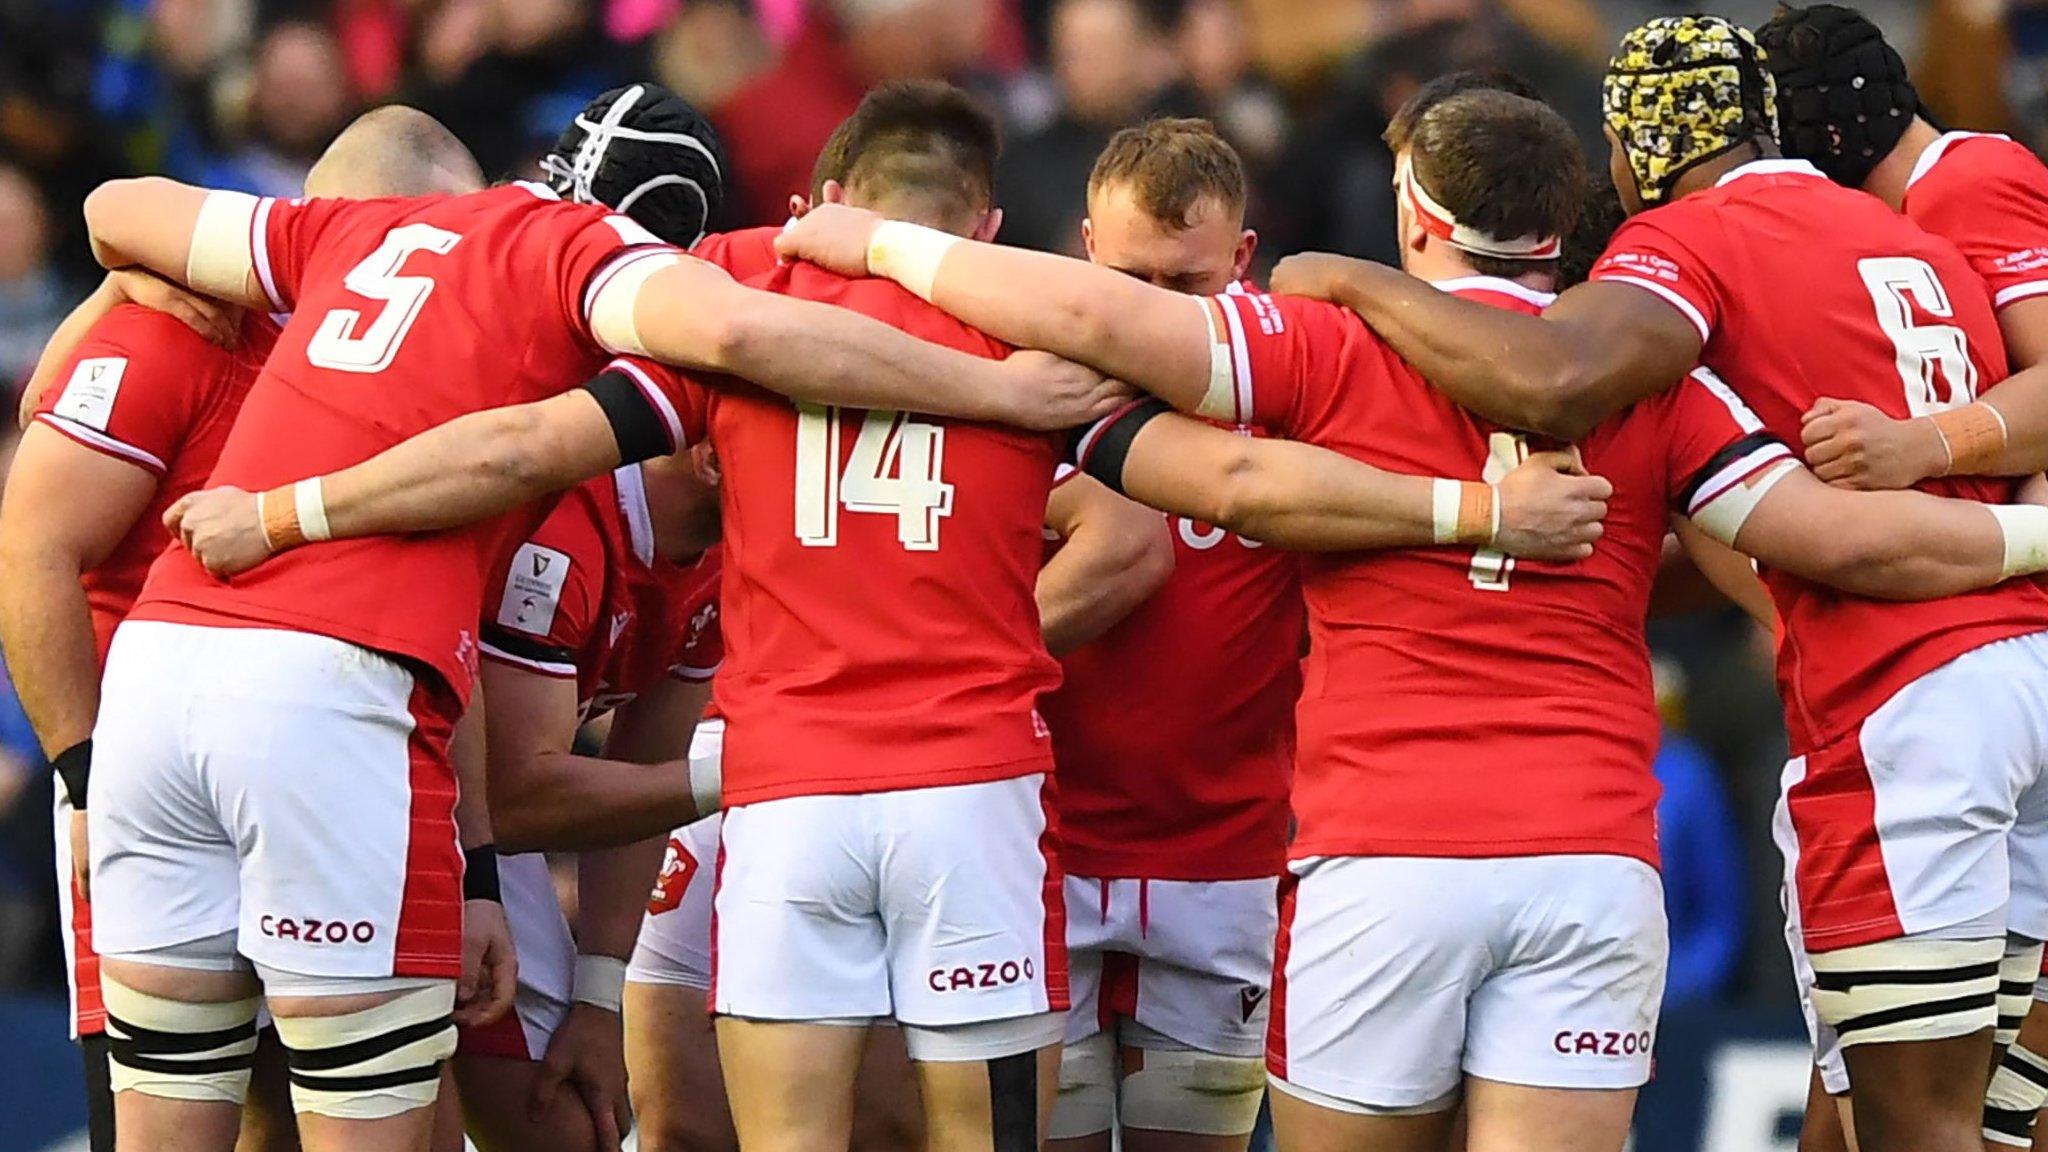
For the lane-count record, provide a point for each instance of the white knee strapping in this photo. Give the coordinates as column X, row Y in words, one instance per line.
column 1199, row 1093
column 178, row 1050
column 2016, row 976
column 1908, row 989
column 1443, row 1103
column 375, row 1063
column 1087, row 1101
column 2019, row 1089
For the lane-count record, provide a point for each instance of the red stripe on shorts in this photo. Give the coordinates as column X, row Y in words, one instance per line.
column 430, row 910
column 90, row 1017
column 1118, row 995
column 1844, row 892
column 1058, row 993
column 503, row 1039
column 1276, row 1018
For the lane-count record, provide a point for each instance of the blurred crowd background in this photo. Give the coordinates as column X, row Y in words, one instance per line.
column 245, row 93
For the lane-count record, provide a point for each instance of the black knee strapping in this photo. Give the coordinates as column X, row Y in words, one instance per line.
column 1013, row 1102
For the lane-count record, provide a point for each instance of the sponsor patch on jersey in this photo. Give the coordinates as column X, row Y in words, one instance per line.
column 533, row 589
column 89, row 395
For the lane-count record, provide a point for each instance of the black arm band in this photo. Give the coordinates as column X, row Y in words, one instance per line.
column 636, row 423
column 1102, row 451
column 72, row 766
column 480, row 873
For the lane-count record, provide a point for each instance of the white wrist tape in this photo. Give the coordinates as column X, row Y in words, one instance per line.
column 312, row 510
column 2025, row 527
column 909, row 254
column 1455, row 515
column 707, row 784
column 600, row 982
column 222, row 255
column 1444, row 498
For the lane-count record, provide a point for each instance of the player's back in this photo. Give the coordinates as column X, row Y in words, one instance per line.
column 405, row 314
column 1803, row 289
column 878, row 607
column 1457, row 701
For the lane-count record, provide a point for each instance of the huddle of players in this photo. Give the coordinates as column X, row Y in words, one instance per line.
column 1469, row 919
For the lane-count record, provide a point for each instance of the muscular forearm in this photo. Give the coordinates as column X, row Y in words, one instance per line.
column 612, row 886
column 562, row 802
column 51, row 653
column 1900, row 546
column 1088, row 586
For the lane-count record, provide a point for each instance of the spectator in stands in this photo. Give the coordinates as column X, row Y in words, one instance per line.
column 774, row 126
column 299, row 99
column 33, row 297
column 1113, row 63
column 510, row 73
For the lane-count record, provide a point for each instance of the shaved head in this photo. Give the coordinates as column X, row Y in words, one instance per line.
column 394, row 151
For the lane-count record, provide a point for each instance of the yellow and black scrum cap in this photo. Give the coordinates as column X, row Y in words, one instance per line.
column 1682, row 90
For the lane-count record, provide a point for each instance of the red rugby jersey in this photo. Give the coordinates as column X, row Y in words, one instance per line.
column 1458, row 702
column 587, row 598
column 144, row 389
column 1989, row 197
column 405, row 314
column 744, row 254
column 880, row 626
column 1803, row 289
column 1174, row 730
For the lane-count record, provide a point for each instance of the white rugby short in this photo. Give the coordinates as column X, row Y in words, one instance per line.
column 1931, row 817
column 1187, row 960
column 675, row 936
column 935, row 906
column 1399, row 976
column 546, row 951
column 289, row 789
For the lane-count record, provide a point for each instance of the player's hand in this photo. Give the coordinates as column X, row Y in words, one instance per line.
column 588, row 1055
column 1550, row 509
column 1044, row 393
column 219, row 323
column 1315, row 275
column 81, row 855
column 1852, row 445
column 490, row 969
column 222, row 529
column 832, row 236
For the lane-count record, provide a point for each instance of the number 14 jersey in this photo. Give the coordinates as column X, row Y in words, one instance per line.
column 880, row 626
column 1802, row 289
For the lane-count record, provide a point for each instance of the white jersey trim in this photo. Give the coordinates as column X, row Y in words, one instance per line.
column 1699, row 322
column 1522, row 292
column 632, row 492
column 656, row 397
column 1938, row 149
column 1240, row 358
column 102, row 442
column 1738, row 470
column 1773, row 167
column 696, row 673
column 544, row 667
column 2019, row 292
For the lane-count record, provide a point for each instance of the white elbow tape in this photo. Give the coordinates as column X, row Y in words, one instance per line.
column 312, row 508
column 600, row 981
column 2025, row 527
column 1722, row 517
column 1220, row 401
column 613, row 304
column 222, row 254
column 909, row 254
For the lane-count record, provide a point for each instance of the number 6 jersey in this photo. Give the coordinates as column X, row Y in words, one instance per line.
column 1802, row 289
column 406, row 313
column 880, row 628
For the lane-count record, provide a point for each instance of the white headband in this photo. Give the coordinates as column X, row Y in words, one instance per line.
column 1441, row 223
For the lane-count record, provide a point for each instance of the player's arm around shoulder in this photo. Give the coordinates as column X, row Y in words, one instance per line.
column 198, row 237
column 1308, row 498
column 1115, row 554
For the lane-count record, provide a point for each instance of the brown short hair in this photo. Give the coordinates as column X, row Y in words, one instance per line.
column 1170, row 166
column 922, row 138
column 1504, row 164
column 1401, row 128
